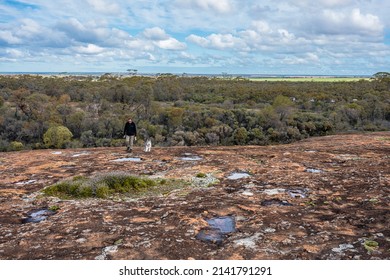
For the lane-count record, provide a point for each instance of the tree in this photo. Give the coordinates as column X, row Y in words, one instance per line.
column 380, row 75
column 57, row 137
column 132, row 72
column 175, row 118
column 283, row 106
column 240, row 136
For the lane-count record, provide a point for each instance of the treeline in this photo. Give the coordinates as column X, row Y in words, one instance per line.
column 61, row 112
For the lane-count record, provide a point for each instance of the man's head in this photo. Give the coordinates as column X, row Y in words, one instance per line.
column 130, row 120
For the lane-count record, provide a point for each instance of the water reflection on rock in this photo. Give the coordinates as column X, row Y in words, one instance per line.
column 218, row 229
column 313, row 170
column 275, row 202
column 190, row 157
column 297, row 193
column 238, row 175
column 36, row 216
column 137, row 159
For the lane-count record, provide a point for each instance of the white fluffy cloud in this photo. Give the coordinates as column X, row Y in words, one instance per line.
column 217, row 41
column 9, row 38
column 324, row 3
column 161, row 39
column 220, row 6
column 171, row 44
column 155, row 33
column 89, row 49
column 352, row 22
column 104, row 6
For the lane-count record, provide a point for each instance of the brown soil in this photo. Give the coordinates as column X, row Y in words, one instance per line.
column 321, row 198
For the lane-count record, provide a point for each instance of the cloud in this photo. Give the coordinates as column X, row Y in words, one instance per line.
column 219, row 7
column 11, row 55
column 225, row 41
column 353, row 22
column 324, row 3
column 198, row 40
column 155, row 33
column 217, row 41
column 171, row 44
column 89, row 49
column 368, row 23
column 104, row 6
column 8, row 38
column 29, row 29
column 303, row 59
column 162, row 40
column 258, row 38
column 86, row 33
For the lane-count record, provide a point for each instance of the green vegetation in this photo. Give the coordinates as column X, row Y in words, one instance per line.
column 54, row 208
column 110, row 185
column 75, row 112
column 201, row 175
column 309, row 79
column 16, row 146
column 57, row 137
column 371, row 245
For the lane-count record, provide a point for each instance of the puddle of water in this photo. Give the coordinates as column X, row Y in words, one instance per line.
column 218, row 229
column 274, row 191
column 56, row 153
column 25, row 182
column 224, row 224
column 37, row 216
column 238, row 175
column 210, row 235
column 81, row 154
column 312, row 170
column 277, row 202
column 190, row 157
column 128, row 159
column 297, row 193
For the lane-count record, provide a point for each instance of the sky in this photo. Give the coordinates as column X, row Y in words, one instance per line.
column 298, row 37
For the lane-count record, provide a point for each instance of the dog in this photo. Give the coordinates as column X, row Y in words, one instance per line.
column 148, row 146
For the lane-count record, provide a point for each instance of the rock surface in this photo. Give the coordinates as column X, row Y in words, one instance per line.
column 330, row 200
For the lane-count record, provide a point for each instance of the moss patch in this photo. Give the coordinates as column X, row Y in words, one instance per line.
column 111, row 185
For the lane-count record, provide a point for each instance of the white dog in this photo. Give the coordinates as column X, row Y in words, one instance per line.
column 148, row 146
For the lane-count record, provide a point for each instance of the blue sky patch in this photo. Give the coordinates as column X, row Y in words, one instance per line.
column 20, row 5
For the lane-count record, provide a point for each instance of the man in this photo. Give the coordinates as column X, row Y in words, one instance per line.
column 130, row 133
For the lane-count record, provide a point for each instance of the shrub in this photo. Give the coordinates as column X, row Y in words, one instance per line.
column 62, row 189
column 100, row 187
column 16, row 146
column 102, row 191
column 57, row 137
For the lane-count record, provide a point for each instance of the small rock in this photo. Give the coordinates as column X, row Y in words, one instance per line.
column 269, row 230
column 249, row 242
column 111, row 249
column 342, row 247
column 247, row 193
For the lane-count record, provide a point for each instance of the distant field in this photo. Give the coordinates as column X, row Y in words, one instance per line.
column 308, row 79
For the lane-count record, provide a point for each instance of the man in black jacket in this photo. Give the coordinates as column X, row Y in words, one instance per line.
column 130, row 133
